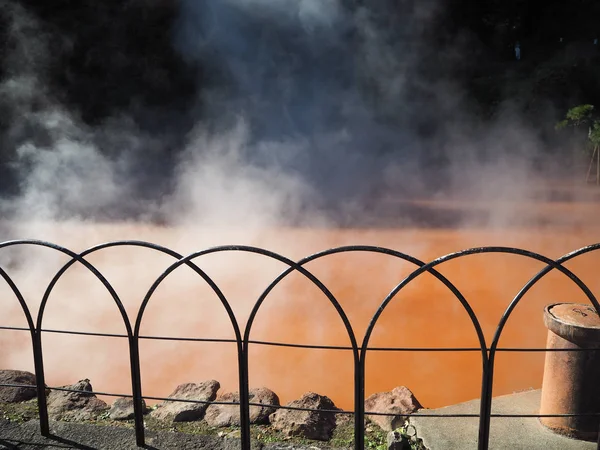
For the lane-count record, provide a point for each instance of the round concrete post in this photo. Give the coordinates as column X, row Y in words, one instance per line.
column 571, row 382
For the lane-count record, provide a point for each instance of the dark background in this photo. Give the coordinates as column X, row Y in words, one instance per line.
column 120, row 59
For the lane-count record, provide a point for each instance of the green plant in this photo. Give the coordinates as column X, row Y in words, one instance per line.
column 343, row 435
column 577, row 116
column 19, row 412
column 594, row 134
column 410, row 432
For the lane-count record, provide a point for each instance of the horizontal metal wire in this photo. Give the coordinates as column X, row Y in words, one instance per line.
column 316, row 347
column 545, row 415
column 78, row 391
column 16, row 385
column 169, row 338
column 295, row 408
column 85, row 333
column 14, row 328
column 503, row 416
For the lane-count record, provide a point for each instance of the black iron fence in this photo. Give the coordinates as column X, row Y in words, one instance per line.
column 242, row 339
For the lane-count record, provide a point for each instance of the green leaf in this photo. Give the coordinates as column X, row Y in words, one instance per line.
column 579, row 114
column 594, row 135
column 561, row 125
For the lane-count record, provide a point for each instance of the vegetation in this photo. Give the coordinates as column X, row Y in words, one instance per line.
column 577, row 116
column 583, row 116
column 19, row 412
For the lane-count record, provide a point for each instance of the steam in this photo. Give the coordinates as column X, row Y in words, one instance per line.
column 299, row 73
column 307, row 111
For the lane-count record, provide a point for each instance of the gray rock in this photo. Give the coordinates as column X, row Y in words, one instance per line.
column 226, row 415
column 187, row 411
column 399, row 402
column 17, row 394
column 64, row 405
column 309, row 424
column 122, row 409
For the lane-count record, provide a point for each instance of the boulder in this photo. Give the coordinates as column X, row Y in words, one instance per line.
column 398, row 403
column 122, row 409
column 228, row 415
column 75, row 405
column 17, row 394
column 186, row 411
column 308, row 424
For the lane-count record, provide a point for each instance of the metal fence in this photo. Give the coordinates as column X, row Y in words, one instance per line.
column 242, row 339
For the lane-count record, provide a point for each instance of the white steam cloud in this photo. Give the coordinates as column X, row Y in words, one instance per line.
column 311, row 110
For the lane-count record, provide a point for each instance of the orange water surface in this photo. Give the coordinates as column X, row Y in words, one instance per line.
column 424, row 314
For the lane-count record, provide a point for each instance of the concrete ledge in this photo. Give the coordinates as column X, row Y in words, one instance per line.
column 441, row 433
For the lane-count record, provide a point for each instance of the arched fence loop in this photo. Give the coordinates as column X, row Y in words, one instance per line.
column 243, row 337
column 359, row 354
column 133, row 338
column 244, row 389
column 244, row 412
column 37, row 335
column 551, row 265
column 488, row 372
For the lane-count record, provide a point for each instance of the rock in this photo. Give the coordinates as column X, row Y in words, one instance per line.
column 75, row 405
column 396, row 441
column 17, row 394
column 185, row 411
column 399, row 402
column 309, row 424
column 122, row 409
column 226, row 415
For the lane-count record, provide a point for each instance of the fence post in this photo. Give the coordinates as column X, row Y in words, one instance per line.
column 359, row 406
column 136, row 385
column 485, row 410
column 244, row 397
column 38, row 362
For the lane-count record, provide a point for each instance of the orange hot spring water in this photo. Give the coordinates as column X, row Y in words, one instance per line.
column 424, row 314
